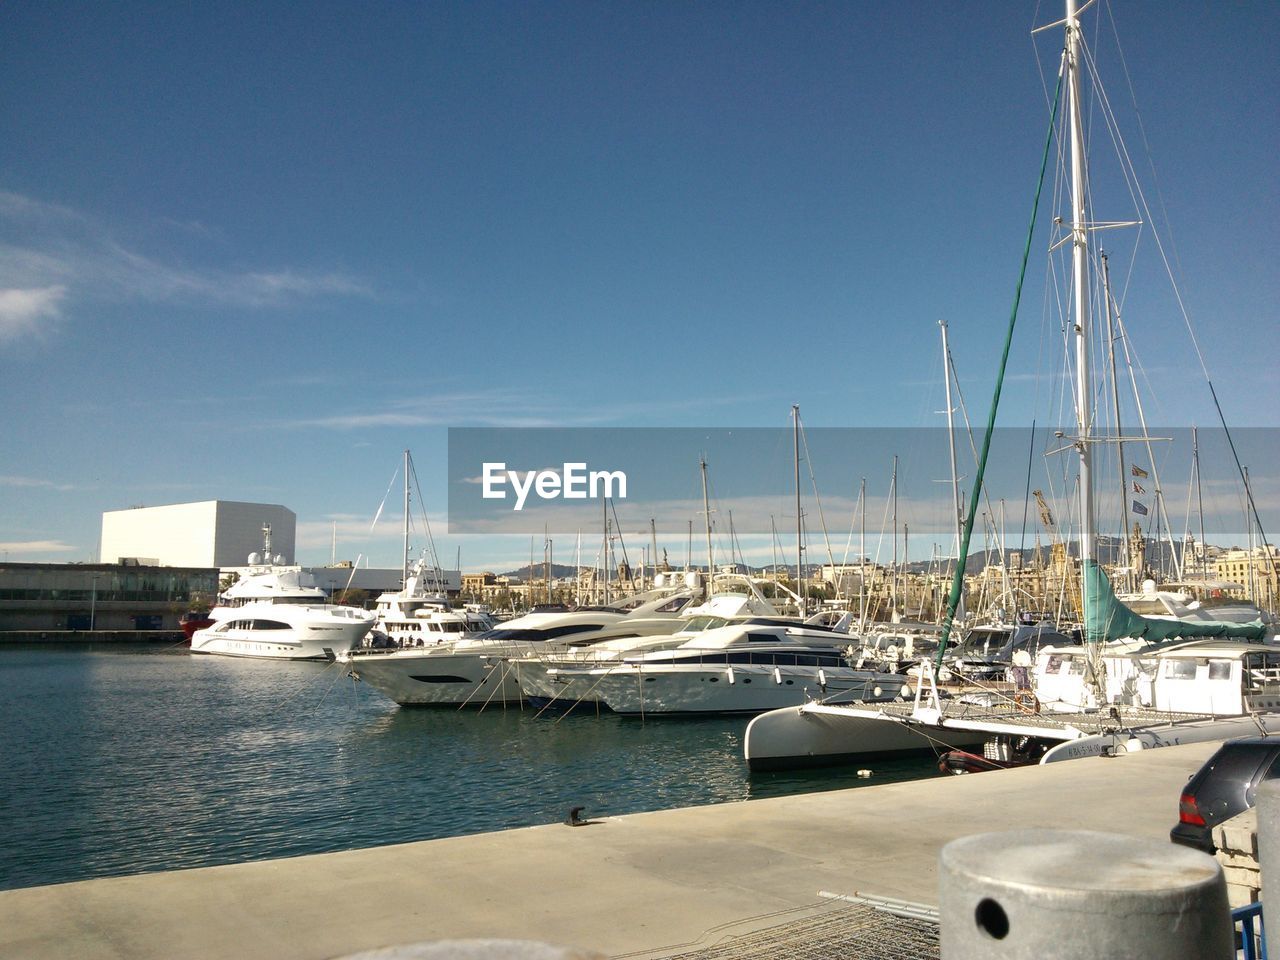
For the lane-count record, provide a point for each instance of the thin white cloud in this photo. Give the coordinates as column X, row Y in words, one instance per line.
column 51, row 255
column 9, row 480
column 36, row 546
column 24, row 311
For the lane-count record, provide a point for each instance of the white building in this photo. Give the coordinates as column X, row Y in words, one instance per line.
column 213, row 533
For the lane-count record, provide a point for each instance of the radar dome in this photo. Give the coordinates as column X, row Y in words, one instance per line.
column 255, row 559
column 278, row 559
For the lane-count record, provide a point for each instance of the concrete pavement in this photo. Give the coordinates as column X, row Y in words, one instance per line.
column 625, row 884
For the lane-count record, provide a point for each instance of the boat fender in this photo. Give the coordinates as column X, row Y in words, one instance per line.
column 822, row 680
column 777, row 676
column 728, row 673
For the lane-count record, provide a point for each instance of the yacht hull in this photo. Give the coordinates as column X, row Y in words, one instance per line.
column 799, row 737
column 744, row 689
column 324, row 642
column 1165, row 735
column 428, row 679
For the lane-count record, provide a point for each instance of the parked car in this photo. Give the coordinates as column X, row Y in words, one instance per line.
column 1224, row 787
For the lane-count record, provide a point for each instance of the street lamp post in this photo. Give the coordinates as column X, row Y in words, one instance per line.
column 93, row 602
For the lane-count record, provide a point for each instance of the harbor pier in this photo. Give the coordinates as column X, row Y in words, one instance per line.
column 621, row 885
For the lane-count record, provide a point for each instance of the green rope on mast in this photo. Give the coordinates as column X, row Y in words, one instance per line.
column 957, row 582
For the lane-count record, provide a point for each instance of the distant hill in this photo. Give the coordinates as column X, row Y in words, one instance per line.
column 558, row 572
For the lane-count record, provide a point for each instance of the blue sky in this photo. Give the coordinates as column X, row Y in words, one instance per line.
column 253, row 253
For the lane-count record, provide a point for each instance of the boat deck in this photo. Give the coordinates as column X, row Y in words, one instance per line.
column 1088, row 722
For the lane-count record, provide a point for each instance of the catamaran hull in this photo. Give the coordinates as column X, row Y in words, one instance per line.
column 1165, row 735
column 449, row 680
column 742, row 689
column 802, row 737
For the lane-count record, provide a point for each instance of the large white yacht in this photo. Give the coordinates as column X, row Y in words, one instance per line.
column 565, row 678
column 418, row 616
column 476, row 670
column 760, row 664
column 279, row 613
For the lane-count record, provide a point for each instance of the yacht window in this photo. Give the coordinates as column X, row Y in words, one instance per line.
column 1180, row 669
column 763, row 637
column 552, row 632
column 1219, row 669
column 673, row 605
column 1147, row 607
column 268, row 625
column 698, row 624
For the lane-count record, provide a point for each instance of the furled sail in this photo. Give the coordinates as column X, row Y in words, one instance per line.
column 1106, row 618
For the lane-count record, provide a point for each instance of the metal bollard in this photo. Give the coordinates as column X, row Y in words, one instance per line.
column 1268, row 807
column 1080, row 894
column 475, row 950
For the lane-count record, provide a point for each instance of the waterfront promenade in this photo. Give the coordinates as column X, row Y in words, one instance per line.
column 626, row 884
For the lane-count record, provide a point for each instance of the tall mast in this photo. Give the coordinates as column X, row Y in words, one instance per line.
column 1129, row 554
column 893, row 573
column 1195, row 460
column 653, row 542
column 795, row 437
column 862, row 547
column 404, row 565
column 604, row 547
column 951, row 436
column 1080, row 297
column 773, row 548
column 706, row 512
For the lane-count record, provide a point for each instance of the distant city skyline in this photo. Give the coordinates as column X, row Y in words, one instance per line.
column 256, row 258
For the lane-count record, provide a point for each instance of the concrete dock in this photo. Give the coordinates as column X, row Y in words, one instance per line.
column 622, row 885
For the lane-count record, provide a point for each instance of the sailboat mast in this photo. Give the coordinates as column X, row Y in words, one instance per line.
column 653, row 543
column 1195, row 460
column 795, row 437
column 951, row 434
column 404, row 565
column 706, row 512
column 862, row 548
column 893, row 575
column 1080, row 296
column 1131, row 560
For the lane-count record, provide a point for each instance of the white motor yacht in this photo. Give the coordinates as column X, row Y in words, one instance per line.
column 475, row 670
column 279, row 613
column 417, row 616
column 562, row 679
column 749, row 667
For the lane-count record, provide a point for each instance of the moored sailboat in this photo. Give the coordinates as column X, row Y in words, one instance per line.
column 1218, row 683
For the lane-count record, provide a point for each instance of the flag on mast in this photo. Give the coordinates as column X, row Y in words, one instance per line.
column 1139, row 509
column 1138, row 488
column 1137, row 471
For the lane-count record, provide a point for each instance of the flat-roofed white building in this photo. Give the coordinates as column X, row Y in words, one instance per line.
column 212, row 533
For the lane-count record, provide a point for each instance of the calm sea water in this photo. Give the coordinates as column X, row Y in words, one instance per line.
column 127, row 760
